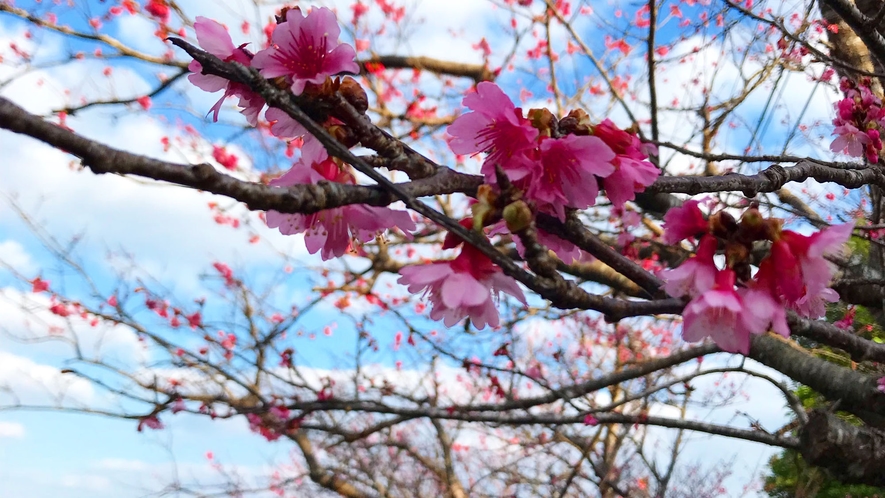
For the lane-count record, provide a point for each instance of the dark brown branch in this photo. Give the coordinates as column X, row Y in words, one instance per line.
column 864, row 27
column 858, row 392
column 852, row 454
column 858, row 348
column 296, row 199
column 769, row 180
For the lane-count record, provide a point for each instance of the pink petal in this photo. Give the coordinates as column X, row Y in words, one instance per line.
column 213, row 37
column 461, row 289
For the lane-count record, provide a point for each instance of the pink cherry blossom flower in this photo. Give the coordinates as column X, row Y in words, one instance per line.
column 39, row 285
column 306, row 49
column 630, row 176
column 564, row 250
column 284, row 126
column 683, row 222
column 762, row 312
column 467, row 286
column 214, row 38
column 718, row 313
column 497, row 127
column 332, row 230
column 804, row 255
column 784, row 272
column 633, row 173
column 694, row 276
column 849, row 140
column 814, row 304
column 178, row 405
column 151, row 422
column 570, row 166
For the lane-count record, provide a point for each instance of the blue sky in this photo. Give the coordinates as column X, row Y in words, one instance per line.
column 170, row 234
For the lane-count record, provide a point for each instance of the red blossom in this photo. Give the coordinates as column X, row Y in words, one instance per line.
column 39, row 285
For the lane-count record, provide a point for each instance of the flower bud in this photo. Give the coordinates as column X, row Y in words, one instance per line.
column 543, row 120
column 343, row 134
column 723, row 224
column 752, row 226
column 518, row 216
column 354, row 94
column 281, row 17
column 484, row 207
column 736, row 254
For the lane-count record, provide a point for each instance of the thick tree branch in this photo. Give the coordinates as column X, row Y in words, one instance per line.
column 863, row 26
column 852, row 454
column 769, row 180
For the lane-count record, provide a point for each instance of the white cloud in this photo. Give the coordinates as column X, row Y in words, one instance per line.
column 11, row 430
column 14, row 255
column 31, row 383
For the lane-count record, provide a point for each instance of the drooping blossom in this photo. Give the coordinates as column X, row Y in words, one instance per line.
column 799, row 271
column 306, row 50
column 630, row 176
column 332, row 230
column 284, row 126
column 683, row 222
column 158, row 9
column 564, row 250
column 762, row 312
column 214, row 38
column 39, row 285
column 632, row 171
column 151, row 422
column 496, row 127
column 569, row 167
column 467, row 286
column 694, row 276
column 717, row 313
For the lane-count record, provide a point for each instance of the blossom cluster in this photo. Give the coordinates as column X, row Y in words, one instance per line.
column 462, row 287
column 859, row 121
column 730, row 304
column 543, row 164
column 558, row 164
column 332, row 230
column 305, row 51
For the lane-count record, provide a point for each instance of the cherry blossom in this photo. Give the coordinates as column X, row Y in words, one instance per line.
column 799, row 271
column 332, row 230
column 151, row 422
column 497, row 127
column 762, row 311
column 683, row 222
column 632, row 172
column 214, row 38
column 717, row 313
column 306, row 50
column 464, row 287
column 849, row 140
column 284, row 126
column 858, row 121
column 570, row 166
column 39, row 285
column 694, row 276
